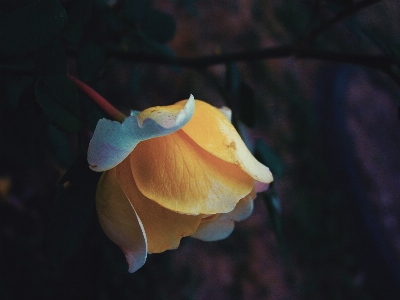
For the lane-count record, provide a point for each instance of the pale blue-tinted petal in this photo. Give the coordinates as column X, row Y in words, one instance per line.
column 227, row 112
column 112, row 141
column 217, row 229
column 137, row 259
column 244, row 208
column 134, row 112
column 260, row 186
column 120, row 221
column 222, row 226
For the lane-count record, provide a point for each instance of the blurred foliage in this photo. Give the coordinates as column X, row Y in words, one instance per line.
column 46, row 123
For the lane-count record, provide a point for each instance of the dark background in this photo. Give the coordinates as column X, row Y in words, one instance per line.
column 322, row 112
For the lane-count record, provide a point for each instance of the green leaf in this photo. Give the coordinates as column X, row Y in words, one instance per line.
column 272, row 203
column 60, row 146
column 295, row 16
column 58, row 97
column 395, row 49
column 158, row 25
column 268, row 157
column 91, row 59
column 135, row 10
column 150, row 46
column 395, row 73
column 379, row 39
column 91, row 112
column 52, row 60
column 247, row 104
column 78, row 17
column 232, row 78
column 31, row 27
column 74, row 209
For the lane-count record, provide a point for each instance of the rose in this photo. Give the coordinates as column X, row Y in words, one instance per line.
column 171, row 172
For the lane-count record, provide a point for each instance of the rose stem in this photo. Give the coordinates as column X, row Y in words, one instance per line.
column 98, row 99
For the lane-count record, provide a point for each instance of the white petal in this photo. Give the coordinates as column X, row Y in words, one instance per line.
column 260, row 186
column 244, row 208
column 227, row 112
column 112, row 141
column 217, row 229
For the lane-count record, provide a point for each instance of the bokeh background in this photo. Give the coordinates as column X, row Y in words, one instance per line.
column 322, row 112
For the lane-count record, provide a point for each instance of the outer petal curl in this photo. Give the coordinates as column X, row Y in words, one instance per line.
column 218, row 229
column 119, row 220
column 112, row 141
column 214, row 229
column 212, row 130
column 164, row 228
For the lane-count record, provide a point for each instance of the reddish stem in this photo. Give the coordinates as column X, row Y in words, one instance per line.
column 96, row 97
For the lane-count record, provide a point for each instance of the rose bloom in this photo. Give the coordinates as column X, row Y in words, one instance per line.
column 170, row 172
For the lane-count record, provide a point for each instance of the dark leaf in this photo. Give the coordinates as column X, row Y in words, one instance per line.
column 31, row 27
column 91, row 113
column 247, row 104
column 273, row 206
column 135, row 10
column 379, row 39
column 60, row 146
column 75, row 207
column 73, row 32
column 268, row 157
column 152, row 47
column 91, row 58
column 8, row 7
column 294, row 16
column 78, row 17
column 159, row 26
column 51, row 60
column 395, row 49
column 232, row 78
column 272, row 203
column 58, row 97
column 394, row 72
column 344, row 3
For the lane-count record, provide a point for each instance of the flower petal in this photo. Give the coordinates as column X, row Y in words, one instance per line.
column 112, row 141
column 227, row 112
column 212, row 131
column 215, row 230
column 260, row 186
column 244, row 208
column 218, row 227
column 181, row 176
column 120, row 221
column 164, row 228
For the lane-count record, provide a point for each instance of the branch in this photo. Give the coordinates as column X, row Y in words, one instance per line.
column 381, row 62
column 339, row 17
column 203, row 61
column 98, row 99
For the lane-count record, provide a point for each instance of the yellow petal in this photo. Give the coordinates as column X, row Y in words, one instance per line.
column 170, row 116
column 181, row 176
column 164, row 228
column 119, row 220
column 212, row 131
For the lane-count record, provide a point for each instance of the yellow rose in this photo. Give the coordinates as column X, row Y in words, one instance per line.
column 170, row 172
